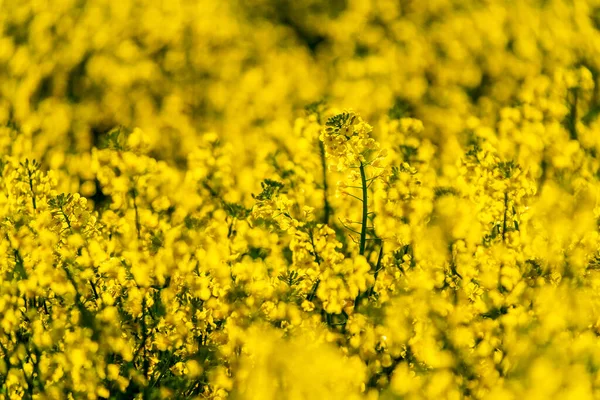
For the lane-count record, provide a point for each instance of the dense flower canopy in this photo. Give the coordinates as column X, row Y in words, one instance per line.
column 277, row 199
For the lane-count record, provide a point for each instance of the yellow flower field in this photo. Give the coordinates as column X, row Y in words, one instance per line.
column 277, row 199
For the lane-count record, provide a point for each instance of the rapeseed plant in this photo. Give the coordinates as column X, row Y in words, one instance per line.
column 189, row 211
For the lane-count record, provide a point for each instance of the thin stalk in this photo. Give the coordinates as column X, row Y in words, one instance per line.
column 30, row 176
column 573, row 116
column 326, row 206
column 137, row 215
column 351, row 195
column 365, row 211
column 347, row 227
column 66, row 217
column 377, row 269
column 313, row 291
column 505, row 216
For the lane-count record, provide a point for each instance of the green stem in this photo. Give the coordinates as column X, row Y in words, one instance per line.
column 326, row 206
column 365, row 211
column 313, row 291
column 377, row 269
column 137, row 215
column 30, row 175
column 505, row 216
column 66, row 217
column 573, row 116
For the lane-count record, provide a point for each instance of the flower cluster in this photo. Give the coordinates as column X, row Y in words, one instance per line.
column 186, row 212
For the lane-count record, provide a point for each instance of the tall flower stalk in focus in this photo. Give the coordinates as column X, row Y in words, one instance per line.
column 347, row 143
